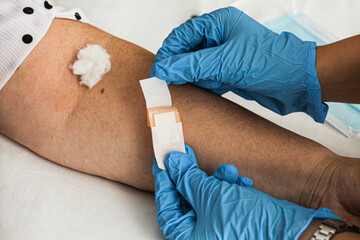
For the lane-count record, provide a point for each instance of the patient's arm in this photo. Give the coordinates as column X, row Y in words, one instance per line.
column 103, row 131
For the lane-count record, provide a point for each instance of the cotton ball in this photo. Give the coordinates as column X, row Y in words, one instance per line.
column 93, row 62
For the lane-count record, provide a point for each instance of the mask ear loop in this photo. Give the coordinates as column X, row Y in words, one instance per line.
column 163, row 119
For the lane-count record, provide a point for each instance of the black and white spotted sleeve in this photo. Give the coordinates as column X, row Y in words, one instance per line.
column 23, row 23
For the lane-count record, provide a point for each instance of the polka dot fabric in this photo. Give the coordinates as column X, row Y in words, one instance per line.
column 23, row 23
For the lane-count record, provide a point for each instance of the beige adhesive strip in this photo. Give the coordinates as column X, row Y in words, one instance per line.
column 164, row 120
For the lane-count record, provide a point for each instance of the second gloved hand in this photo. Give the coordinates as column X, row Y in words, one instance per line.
column 226, row 50
column 192, row 205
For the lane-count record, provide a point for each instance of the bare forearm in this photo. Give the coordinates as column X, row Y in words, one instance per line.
column 338, row 69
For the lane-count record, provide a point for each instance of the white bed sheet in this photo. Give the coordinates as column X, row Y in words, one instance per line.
column 42, row 200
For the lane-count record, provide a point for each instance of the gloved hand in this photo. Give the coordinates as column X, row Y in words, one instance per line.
column 226, row 50
column 192, row 205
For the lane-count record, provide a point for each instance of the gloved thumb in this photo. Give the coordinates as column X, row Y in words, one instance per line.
column 170, row 215
column 189, row 180
column 204, row 64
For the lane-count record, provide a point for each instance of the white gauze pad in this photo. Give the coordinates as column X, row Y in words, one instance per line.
column 92, row 64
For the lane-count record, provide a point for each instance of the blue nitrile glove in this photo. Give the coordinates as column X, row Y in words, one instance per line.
column 192, row 205
column 227, row 50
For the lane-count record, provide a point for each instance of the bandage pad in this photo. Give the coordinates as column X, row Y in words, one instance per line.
column 164, row 120
column 151, row 112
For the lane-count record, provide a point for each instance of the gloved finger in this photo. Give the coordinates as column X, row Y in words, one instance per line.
column 220, row 88
column 206, row 84
column 202, row 32
column 194, row 34
column 192, row 183
column 163, row 181
column 184, row 205
column 207, row 31
column 210, row 85
column 205, row 64
column 230, row 173
column 170, row 216
column 227, row 172
column 244, row 182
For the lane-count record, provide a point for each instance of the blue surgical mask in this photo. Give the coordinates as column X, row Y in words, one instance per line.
column 342, row 116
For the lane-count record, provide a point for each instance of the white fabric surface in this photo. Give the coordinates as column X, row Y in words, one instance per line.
column 42, row 200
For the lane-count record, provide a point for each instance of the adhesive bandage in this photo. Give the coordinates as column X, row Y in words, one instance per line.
column 164, row 120
column 92, row 64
